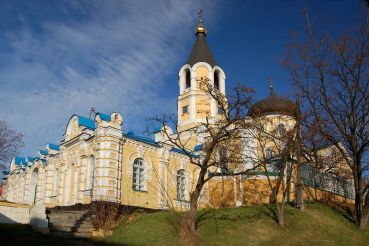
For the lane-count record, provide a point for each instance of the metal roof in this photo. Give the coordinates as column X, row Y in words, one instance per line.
column 86, row 122
column 105, row 117
column 147, row 140
column 200, row 52
column 53, row 146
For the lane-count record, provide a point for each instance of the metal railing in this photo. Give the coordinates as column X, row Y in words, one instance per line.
column 315, row 178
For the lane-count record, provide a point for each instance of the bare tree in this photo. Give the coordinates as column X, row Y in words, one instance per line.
column 10, row 143
column 223, row 137
column 332, row 75
column 279, row 142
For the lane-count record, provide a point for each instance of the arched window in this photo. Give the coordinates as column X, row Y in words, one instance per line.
column 138, row 175
column 188, row 78
column 181, row 185
column 281, row 130
column 268, row 153
column 222, row 159
column 216, row 80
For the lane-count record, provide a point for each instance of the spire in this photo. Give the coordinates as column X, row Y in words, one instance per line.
column 271, row 87
column 200, row 51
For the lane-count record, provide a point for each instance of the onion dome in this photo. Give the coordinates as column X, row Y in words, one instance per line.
column 274, row 104
column 200, row 51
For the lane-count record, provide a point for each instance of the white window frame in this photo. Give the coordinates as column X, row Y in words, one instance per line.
column 138, row 175
column 181, row 185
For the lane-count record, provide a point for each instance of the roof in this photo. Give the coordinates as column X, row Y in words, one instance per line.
column 147, row 140
column 86, row 122
column 184, row 152
column 19, row 160
column 53, row 146
column 43, row 152
column 200, row 51
column 198, row 147
column 31, row 159
column 273, row 104
column 105, row 117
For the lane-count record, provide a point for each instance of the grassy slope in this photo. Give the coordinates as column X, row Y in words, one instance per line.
column 318, row 225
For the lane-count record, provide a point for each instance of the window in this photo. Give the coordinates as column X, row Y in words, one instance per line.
column 268, row 153
column 57, row 182
column 222, row 159
column 138, row 175
column 281, row 130
column 216, row 80
column 181, row 185
column 185, row 110
column 188, row 78
column 220, row 110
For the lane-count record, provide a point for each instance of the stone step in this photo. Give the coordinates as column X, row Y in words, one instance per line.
column 57, row 220
column 67, row 212
column 71, row 224
column 66, row 215
column 70, row 234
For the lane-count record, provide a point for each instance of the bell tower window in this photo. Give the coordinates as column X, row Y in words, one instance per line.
column 216, row 80
column 188, row 78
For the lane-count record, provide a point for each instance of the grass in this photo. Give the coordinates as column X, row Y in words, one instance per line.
column 317, row 225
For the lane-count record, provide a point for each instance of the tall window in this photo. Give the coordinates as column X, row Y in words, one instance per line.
column 181, row 185
column 91, row 171
column 188, row 78
column 138, row 175
column 222, row 158
column 281, row 130
column 268, row 153
column 185, row 109
column 216, row 80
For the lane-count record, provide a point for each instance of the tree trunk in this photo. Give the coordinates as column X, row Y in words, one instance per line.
column 191, row 218
column 194, row 198
column 365, row 213
column 281, row 215
column 299, row 189
column 358, row 199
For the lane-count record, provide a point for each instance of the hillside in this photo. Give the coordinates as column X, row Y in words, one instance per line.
column 318, row 225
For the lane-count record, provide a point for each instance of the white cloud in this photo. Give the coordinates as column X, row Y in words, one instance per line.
column 112, row 55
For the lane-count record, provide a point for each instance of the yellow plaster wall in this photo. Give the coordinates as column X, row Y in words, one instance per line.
column 155, row 193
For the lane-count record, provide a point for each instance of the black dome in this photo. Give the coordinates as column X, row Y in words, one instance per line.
column 274, row 104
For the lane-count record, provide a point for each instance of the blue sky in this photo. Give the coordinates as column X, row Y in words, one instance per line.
column 58, row 58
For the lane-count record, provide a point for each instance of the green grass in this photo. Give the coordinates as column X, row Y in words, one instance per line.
column 317, row 225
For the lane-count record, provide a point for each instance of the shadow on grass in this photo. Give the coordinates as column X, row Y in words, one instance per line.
column 217, row 215
column 19, row 234
column 340, row 208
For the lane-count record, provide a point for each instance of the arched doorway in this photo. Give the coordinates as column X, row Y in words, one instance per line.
column 33, row 186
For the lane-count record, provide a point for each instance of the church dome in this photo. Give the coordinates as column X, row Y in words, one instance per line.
column 274, row 104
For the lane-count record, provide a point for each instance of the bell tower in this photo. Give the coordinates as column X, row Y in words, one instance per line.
column 195, row 105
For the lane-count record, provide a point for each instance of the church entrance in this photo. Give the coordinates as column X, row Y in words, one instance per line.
column 33, row 187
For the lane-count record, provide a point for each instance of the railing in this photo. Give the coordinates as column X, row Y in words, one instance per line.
column 315, row 178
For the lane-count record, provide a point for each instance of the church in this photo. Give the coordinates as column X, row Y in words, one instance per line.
column 97, row 160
